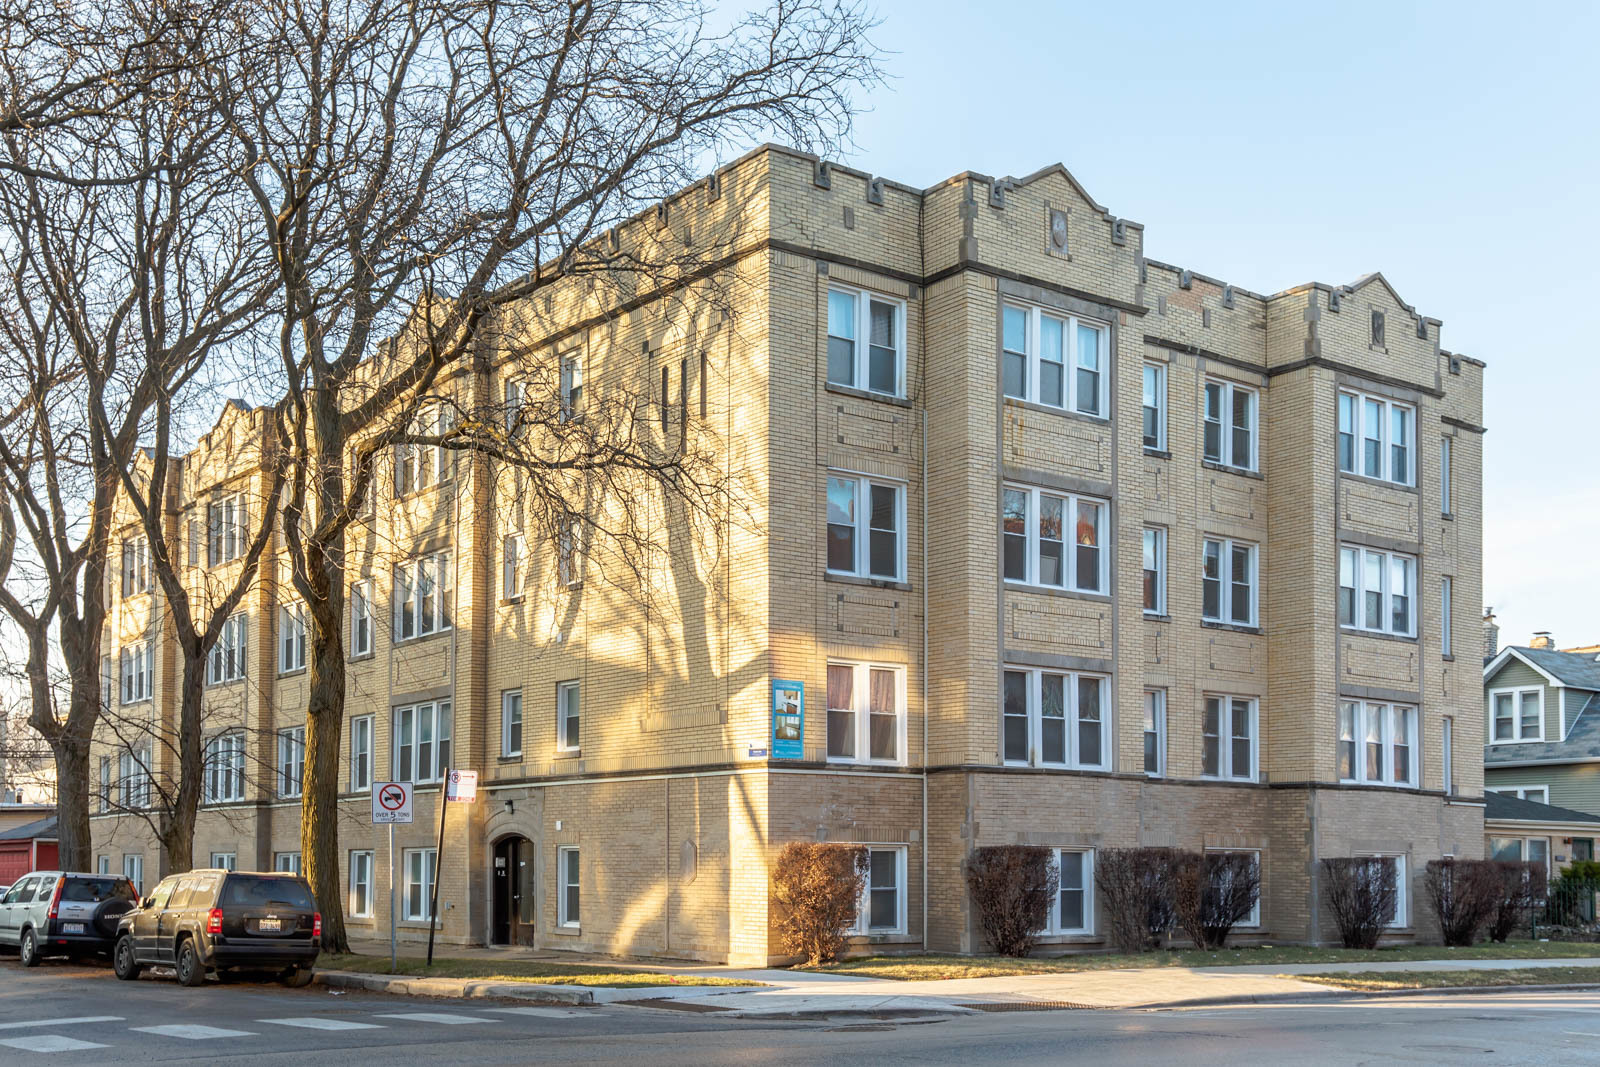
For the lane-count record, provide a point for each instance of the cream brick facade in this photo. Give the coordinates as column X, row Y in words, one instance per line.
column 673, row 800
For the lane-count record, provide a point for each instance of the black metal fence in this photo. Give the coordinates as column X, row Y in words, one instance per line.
column 1568, row 911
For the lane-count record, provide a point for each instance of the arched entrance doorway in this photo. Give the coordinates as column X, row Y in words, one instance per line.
column 513, row 891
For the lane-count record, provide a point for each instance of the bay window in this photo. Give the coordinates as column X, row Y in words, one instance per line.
column 423, row 595
column 1054, row 360
column 1377, row 743
column 1228, row 741
column 1377, row 591
column 1376, row 437
column 1054, row 719
column 422, row 741
column 1034, row 546
column 1228, row 581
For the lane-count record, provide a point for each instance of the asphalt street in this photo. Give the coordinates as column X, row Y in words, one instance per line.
column 71, row 1014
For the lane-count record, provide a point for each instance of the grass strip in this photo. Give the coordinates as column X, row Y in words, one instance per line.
column 536, row 971
column 1374, row 981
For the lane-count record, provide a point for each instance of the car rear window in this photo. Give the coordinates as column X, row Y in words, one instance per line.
column 248, row 892
column 94, row 890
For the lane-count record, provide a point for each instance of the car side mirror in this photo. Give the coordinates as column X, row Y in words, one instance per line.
column 147, row 902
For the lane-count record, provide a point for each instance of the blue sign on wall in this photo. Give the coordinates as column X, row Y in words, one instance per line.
column 788, row 720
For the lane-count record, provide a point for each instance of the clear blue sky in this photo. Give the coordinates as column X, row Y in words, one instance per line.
column 1454, row 147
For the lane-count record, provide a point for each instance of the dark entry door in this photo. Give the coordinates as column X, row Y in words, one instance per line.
column 513, row 892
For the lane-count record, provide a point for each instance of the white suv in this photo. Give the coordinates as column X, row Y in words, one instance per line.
column 56, row 913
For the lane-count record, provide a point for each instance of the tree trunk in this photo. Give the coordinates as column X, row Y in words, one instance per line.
column 72, row 804
column 177, row 837
column 319, row 805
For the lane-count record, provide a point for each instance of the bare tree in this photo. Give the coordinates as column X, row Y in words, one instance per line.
column 419, row 168
column 1215, row 892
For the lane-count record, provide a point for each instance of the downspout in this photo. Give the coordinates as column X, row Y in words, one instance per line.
column 922, row 325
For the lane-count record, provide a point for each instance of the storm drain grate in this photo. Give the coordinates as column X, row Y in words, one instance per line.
column 1028, row 1005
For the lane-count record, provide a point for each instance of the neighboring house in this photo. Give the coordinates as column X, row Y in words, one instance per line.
column 1516, row 829
column 1542, row 725
column 29, row 847
column 1034, row 540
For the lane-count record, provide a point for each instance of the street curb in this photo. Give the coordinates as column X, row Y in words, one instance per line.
column 455, row 987
column 1336, row 991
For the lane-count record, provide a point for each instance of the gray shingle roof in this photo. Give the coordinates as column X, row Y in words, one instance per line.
column 1579, row 669
column 1501, row 806
column 45, row 828
column 1582, row 741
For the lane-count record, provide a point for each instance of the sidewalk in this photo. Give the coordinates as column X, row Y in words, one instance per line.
column 805, row 992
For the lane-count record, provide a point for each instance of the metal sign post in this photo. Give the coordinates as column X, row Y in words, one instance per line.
column 460, row 787
column 391, row 803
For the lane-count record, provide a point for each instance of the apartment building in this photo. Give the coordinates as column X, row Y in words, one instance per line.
column 1030, row 538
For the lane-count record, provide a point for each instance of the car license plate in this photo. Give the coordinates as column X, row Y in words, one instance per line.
column 270, row 926
column 72, row 928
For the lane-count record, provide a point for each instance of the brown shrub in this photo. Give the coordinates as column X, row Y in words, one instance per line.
column 819, row 886
column 1013, row 888
column 1215, row 891
column 1362, row 893
column 1137, row 888
column 1463, row 894
column 1517, row 888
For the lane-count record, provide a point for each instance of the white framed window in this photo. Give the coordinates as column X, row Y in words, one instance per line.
column 1518, row 715
column 1155, row 407
column 1055, row 719
column 107, row 683
column 138, row 663
column 105, row 783
column 1073, row 909
column 511, row 723
column 1539, row 794
column 569, row 869
column 1401, row 915
column 1155, row 570
column 226, row 660
column 135, row 566
column 133, row 777
column 291, row 638
column 1378, row 743
column 568, row 720
column 1035, row 551
column 512, row 556
column 1447, row 755
column 227, row 520
column 515, row 392
column 1254, row 918
column 866, row 341
column 1377, row 591
column 1446, row 630
column 225, row 861
column 360, row 884
column 361, row 618
column 1155, row 732
column 133, row 868
column 291, row 760
column 423, row 596
column 1054, row 360
column 1228, row 738
column 419, row 467
column 287, row 862
column 1376, row 437
column 882, row 906
column 571, row 385
column 569, row 550
column 1228, row 581
column 1446, row 447
column 422, row 741
column 421, row 868
column 866, row 527
column 1521, row 849
column 224, row 768
column 1230, row 418
column 102, row 864
column 361, row 753
column 866, row 713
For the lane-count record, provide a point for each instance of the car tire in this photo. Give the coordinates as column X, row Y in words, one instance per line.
column 191, row 971
column 296, row 977
column 28, row 949
column 124, row 961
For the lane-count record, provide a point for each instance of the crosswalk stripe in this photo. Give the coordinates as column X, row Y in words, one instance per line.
column 321, row 1022
column 192, row 1032
column 64, row 1022
column 434, row 1017
column 48, row 1043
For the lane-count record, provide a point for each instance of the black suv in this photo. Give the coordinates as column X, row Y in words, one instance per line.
column 216, row 920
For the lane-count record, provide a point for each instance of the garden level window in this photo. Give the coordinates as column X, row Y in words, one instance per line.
column 1377, row 591
column 224, row 768
column 1228, row 582
column 291, row 760
column 226, row 661
column 225, row 861
column 882, row 907
column 1376, row 437
column 1518, row 715
column 1051, row 719
column 568, row 872
column 1228, row 738
column 866, row 527
column 1033, row 526
column 423, row 596
column 1219, row 877
column 1230, row 425
column 1155, row 571
column 421, row 868
column 287, row 862
column 360, row 885
column 422, row 741
column 1394, row 866
column 1377, row 743
column 1054, row 360
column 1155, row 407
column 1072, row 912
column 866, row 713
column 866, row 341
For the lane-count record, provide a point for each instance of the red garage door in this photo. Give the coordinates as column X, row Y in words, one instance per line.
column 15, row 860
